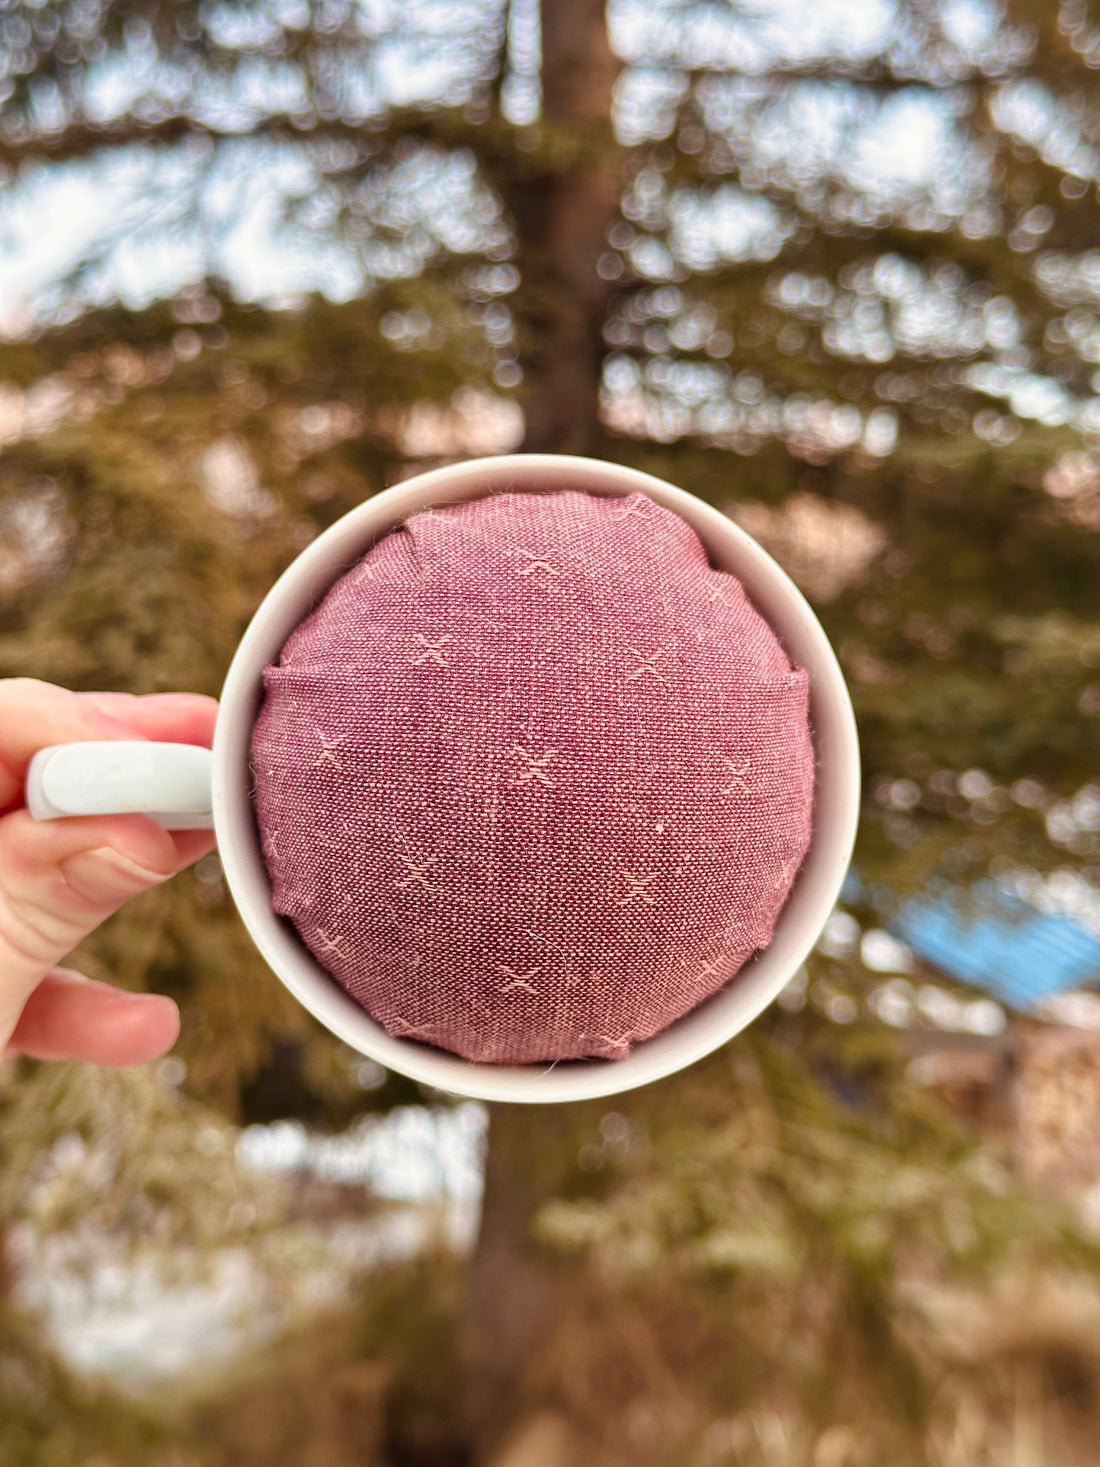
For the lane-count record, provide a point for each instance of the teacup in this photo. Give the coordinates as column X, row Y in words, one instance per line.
column 184, row 787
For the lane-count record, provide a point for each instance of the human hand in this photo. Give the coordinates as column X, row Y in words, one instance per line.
column 59, row 879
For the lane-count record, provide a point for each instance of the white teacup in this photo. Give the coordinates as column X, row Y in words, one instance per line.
column 186, row 787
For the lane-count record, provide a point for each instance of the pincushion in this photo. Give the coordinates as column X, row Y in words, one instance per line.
column 533, row 780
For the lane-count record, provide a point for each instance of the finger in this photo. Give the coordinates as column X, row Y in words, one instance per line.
column 34, row 715
column 59, row 879
column 178, row 718
column 191, row 844
column 69, row 1016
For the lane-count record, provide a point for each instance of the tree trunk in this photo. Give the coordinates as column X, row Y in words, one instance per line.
column 514, row 1288
column 562, row 217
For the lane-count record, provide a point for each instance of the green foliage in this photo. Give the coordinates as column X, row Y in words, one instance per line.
column 718, row 284
column 765, row 1248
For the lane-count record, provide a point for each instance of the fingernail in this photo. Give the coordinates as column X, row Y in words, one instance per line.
column 174, row 700
column 104, row 874
column 150, row 1001
column 121, row 704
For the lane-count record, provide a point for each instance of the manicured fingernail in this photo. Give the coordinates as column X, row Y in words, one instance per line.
column 151, row 1001
column 173, row 700
column 103, row 874
column 117, row 705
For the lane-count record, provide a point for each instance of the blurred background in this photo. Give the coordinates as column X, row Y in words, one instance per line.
column 832, row 265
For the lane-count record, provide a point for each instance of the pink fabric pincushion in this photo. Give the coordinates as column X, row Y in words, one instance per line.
column 533, row 780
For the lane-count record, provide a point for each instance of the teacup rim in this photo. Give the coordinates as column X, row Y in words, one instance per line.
column 719, row 1018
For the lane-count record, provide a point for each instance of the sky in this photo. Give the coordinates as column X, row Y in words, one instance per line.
column 163, row 219
column 138, row 224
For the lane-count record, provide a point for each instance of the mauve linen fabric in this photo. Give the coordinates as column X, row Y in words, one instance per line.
column 533, row 780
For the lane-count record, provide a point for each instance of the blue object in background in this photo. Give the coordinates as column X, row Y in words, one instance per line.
column 1004, row 947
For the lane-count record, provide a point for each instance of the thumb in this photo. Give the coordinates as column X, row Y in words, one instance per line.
column 69, row 1016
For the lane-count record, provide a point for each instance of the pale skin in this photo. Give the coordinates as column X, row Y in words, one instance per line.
column 59, row 879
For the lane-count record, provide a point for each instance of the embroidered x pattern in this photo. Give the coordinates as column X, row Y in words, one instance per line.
column 786, row 874
column 518, row 980
column 638, row 889
column 536, row 563
column 737, row 785
column 416, row 875
column 327, row 756
column 435, row 650
column 534, row 766
column 646, row 664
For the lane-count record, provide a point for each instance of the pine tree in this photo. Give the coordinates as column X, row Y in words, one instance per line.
column 677, row 247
